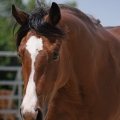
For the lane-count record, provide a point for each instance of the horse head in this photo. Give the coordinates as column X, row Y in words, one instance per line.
column 41, row 48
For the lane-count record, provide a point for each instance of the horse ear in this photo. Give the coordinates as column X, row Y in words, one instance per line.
column 20, row 16
column 54, row 14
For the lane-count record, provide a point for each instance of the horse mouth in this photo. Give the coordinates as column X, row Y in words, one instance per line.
column 39, row 115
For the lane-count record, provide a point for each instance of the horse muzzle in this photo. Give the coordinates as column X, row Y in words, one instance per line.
column 37, row 115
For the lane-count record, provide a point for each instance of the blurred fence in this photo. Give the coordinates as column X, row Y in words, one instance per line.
column 9, row 98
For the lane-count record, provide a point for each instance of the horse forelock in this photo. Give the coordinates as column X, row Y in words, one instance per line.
column 37, row 23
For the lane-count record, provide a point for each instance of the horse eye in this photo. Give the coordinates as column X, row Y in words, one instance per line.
column 55, row 55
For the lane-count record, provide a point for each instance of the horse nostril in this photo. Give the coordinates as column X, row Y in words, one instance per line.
column 21, row 111
column 39, row 114
column 21, row 114
column 36, row 114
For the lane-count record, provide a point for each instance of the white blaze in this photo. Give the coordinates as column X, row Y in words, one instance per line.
column 33, row 45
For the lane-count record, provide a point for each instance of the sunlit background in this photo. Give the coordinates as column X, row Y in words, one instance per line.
column 108, row 11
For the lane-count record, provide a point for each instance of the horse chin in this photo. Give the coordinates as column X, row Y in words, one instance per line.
column 39, row 115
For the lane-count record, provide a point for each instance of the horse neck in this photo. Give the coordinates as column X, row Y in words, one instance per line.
column 80, row 43
column 80, row 47
column 75, row 66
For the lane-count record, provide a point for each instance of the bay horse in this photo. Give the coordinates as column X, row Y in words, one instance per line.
column 70, row 65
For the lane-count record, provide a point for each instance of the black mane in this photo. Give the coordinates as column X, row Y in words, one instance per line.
column 37, row 23
column 23, row 30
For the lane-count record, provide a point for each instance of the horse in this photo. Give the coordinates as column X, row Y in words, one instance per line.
column 70, row 65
